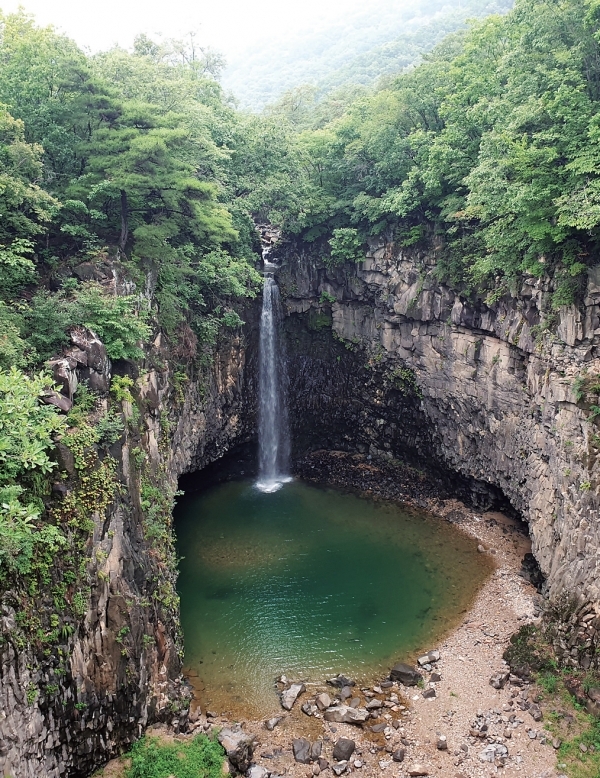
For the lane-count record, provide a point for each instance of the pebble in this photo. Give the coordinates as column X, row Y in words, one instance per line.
column 418, row 770
column 339, row 768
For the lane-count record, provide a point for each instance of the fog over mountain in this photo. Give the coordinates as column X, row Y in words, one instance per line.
column 269, row 46
column 357, row 47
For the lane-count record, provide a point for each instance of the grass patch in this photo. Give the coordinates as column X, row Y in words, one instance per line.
column 197, row 758
column 580, row 764
column 567, row 720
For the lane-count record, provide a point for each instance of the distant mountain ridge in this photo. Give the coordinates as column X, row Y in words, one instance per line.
column 358, row 49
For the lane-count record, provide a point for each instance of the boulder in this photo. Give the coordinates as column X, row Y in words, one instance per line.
column 239, row 747
column 270, row 724
column 301, row 748
column 399, row 754
column 405, row 674
column 343, row 749
column 418, row 770
column 344, row 714
column 289, row 696
column 309, row 709
column 323, row 701
column 429, row 694
column 50, row 397
column 316, row 750
column 340, row 681
column 535, row 712
column 498, row 680
column 339, row 767
column 374, row 705
column 429, row 658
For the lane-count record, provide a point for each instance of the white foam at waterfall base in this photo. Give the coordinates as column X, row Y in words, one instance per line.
column 273, row 427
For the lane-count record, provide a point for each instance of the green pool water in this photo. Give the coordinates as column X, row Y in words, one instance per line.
column 310, row 582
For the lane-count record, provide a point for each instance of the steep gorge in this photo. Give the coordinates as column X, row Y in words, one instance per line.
column 384, row 360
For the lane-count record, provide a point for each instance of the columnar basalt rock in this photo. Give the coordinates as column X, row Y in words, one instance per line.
column 495, row 395
column 68, row 710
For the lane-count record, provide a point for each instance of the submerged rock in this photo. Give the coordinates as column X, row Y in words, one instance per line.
column 340, row 681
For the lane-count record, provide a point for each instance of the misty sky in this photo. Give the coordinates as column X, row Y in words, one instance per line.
column 227, row 25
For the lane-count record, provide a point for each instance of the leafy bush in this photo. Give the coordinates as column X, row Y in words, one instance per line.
column 109, row 428
column 345, row 247
column 200, row 758
column 26, row 426
column 13, row 349
column 19, row 534
column 114, row 319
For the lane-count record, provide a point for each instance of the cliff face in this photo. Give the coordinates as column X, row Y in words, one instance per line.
column 488, row 392
column 67, row 708
column 383, row 360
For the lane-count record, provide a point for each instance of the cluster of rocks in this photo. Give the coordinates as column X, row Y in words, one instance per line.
column 379, row 710
column 574, row 630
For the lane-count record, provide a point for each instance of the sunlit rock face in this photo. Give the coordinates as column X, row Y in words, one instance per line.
column 413, row 369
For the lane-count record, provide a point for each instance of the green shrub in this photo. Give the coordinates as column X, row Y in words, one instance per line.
column 199, row 758
column 13, row 349
column 19, row 534
column 26, row 426
column 114, row 319
column 345, row 245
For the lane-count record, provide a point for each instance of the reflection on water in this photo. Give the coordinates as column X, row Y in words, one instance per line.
column 311, row 582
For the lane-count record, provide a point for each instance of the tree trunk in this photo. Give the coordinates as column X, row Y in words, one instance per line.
column 124, row 222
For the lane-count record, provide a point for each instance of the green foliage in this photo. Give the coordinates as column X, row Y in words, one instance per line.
column 198, row 758
column 25, row 208
column 345, row 246
column 490, row 144
column 26, row 430
column 26, row 426
column 120, row 388
column 116, row 320
column 109, row 427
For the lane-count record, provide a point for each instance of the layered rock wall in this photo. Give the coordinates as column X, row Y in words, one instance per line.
column 500, row 391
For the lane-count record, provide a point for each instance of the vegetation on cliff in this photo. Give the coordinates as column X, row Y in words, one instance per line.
column 119, row 213
column 489, row 146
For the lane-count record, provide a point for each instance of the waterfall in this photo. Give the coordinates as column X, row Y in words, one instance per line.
column 273, row 429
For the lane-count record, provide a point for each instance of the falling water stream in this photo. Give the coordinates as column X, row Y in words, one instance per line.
column 273, row 427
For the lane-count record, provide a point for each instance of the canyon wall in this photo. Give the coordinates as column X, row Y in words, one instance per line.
column 498, row 401
column 69, row 704
column 503, row 394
